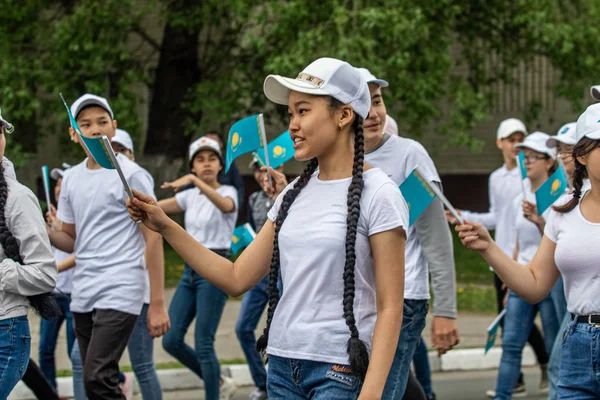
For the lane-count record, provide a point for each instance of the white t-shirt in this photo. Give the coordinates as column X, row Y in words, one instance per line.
column 504, row 186
column 109, row 248
column 64, row 281
column 204, row 221
column 576, row 256
column 529, row 236
column 308, row 323
column 398, row 157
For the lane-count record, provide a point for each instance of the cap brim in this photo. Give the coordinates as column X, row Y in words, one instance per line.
column 91, row 102
column 380, row 82
column 595, row 92
column 277, row 88
column 554, row 140
column 595, row 135
column 199, row 149
column 535, row 148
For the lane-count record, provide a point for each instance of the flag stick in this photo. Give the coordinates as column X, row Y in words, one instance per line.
column 263, row 134
column 443, row 198
column 521, row 177
column 46, row 185
column 111, row 155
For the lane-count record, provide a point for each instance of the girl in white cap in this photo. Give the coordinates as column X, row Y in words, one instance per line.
column 569, row 247
column 337, row 238
column 211, row 211
column 27, row 270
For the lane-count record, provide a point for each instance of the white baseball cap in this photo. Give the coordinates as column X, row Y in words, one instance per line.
column 537, row 141
column 510, row 126
column 595, row 92
column 204, row 143
column 57, row 173
column 124, row 139
column 588, row 124
column 566, row 134
column 323, row 77
column 90, row 100
column 390, row 127
column 370, row 78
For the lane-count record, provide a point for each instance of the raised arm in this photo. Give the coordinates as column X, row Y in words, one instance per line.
column 532, row 282
column 170, row 206
column 233, row 278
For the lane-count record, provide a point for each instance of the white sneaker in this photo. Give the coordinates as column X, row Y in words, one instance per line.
column 127, row 386
column 518, row 392
column 259, row 395
column 227, row 389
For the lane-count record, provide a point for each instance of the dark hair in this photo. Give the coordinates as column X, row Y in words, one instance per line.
column 44, row 304
column 356, row 348
column 584, row 146
column 93, row 106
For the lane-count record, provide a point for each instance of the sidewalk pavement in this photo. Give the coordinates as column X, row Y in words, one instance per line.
column 467, row 355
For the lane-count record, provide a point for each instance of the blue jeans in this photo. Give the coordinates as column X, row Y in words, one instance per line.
column 421, row 365
column 413, row 323
column 15, row 345
column 195, row 297
column 49, row 330
column 141, row 355
column 560, row 304
column 291, row 379
column 517, row 325
column 253, row 305
column 579, row 369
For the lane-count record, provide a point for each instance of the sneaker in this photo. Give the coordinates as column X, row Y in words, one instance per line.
column 227, row 389
column 544, row 378
column 259, row 395
column 518, row 392
column 127, row 387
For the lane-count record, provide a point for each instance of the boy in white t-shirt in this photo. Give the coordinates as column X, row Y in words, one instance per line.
column 108, row 284
column 429, row 244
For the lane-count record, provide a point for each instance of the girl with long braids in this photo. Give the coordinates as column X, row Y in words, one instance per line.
column 569, row 247
column 336, row 237
column 27, row 270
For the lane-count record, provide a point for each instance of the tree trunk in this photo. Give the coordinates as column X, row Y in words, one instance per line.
column 176, row 74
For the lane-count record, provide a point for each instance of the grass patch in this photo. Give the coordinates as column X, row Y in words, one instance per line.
column 470, row 266
column 173, row 266
column 473, row 298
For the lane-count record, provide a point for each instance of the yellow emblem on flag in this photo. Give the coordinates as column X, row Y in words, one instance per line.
column 278, row 151
column 235, row 239
column 555, row 186
column 235, row 140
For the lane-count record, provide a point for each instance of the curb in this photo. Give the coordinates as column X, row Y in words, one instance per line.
column 184, row 379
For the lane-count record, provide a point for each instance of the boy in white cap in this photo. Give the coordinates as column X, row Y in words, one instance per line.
column 122, row 143
column 429, row 244
column 111, row 253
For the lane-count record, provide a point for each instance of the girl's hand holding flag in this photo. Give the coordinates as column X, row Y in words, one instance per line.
column 145, row 209
column 474, row 236
column 273, row 186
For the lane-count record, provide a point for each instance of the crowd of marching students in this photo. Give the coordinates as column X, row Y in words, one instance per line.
column 344, row 276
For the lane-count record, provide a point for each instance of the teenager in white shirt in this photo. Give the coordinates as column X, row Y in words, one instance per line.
column 27, row 270
column 429, row 243
column 112, row 255
column 211, row 211
column 337, row 238
column 569, row 247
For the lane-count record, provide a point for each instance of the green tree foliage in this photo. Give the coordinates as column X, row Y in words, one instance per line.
column 201, row 64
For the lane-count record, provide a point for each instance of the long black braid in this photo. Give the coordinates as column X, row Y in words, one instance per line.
column 583, row 147
column 356, row 348
column 44, row 304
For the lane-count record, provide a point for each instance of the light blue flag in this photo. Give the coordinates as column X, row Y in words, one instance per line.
column 280, row 150
column 492, row 331
column 243, row 235
column 244, row 136
column 521, row 162
column 95, row 146
column 551, row 190
column 46, row 180
column 417, row 194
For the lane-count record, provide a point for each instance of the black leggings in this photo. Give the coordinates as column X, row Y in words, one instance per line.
column 535, row 339
column 37, row 382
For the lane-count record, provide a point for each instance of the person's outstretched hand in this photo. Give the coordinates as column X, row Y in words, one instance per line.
column 278, row 180
column 474, row 236
column 145, row 209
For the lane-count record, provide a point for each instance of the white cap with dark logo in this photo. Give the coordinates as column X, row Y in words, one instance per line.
column 323, row 77
column 588, row 124
column 204, row 143
column 90, row 100
column 510, row 126
column 537, row 141
column 566, row 134
column 124, row 139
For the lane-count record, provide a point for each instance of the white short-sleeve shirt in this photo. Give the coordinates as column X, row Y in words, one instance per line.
column 308, row 322
column 398, row 157
column 109, row 248
column 204, row 221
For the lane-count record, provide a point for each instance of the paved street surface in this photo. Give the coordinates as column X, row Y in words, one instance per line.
column 469, row 385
